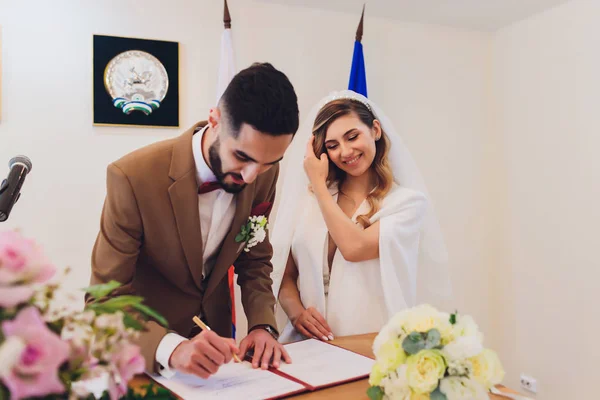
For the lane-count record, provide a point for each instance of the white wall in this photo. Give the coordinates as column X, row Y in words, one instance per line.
column 434, row 81
column 546, row 71
column 505, row 128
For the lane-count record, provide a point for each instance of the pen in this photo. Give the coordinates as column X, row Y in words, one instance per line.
column 205, row 327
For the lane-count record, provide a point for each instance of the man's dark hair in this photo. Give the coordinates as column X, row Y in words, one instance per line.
column 262, row 97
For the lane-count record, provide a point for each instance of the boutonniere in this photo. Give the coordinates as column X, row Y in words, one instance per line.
column 255, row 230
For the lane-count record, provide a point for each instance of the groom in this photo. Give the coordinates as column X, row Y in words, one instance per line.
column 170, row 220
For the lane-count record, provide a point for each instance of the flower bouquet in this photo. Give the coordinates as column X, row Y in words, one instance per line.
column 423, row 353
column 51, row 352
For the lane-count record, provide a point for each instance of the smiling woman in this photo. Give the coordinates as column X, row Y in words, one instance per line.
column 368, row 209
column 347, row 131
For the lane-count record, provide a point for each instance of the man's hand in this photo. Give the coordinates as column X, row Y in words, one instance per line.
column 265, row 347
column 203, row 355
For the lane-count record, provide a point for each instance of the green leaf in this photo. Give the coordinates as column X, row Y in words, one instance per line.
column 4, row 394
column 102, row 290
column 56, row 326
column 433, row 339
column 120, row 302
column 413, row 343
column 8, row 314
column 78, row 373
column 152, row 392
column 66, row 378
column 151, row 313
column 132, row 323
column 115, row 304
column 375, row 393
column 240, row 237
column 453, row 317
column 437, row 395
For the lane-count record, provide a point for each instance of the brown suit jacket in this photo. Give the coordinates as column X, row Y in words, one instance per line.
column 150, row 241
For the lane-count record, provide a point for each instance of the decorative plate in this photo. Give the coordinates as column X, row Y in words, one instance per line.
column 136, row 81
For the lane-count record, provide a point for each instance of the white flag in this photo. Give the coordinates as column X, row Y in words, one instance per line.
column 226, row 64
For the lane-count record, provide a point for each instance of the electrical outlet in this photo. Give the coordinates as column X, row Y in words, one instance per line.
column 528, row 383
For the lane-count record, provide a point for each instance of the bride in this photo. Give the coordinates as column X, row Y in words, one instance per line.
column 354, row 227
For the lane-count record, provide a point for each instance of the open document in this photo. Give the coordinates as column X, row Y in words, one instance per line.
column 315, row 365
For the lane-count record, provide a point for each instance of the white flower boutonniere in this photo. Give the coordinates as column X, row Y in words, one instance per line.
column 255, row 230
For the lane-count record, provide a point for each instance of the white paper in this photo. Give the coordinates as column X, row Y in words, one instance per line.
column 318, row 363
column 233, row 381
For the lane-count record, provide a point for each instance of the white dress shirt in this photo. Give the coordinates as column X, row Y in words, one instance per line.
column 217, row 209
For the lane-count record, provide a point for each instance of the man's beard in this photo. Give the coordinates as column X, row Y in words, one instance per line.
column 217, row 168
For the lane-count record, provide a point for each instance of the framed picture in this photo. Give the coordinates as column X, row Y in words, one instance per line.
column 136, row 82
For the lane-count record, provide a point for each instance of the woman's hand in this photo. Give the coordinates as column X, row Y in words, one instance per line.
column 311, row 323
column 316, row 169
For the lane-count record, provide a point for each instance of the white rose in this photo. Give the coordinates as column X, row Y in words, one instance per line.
column 462, row 348
column 398, row 326
column 395, row 385
column 466, row 326
column 487, row 369
column 425, row 369
column 422, row 318
column 446, row 328
column 10, row 353
column 386, row 334
column 459, row 388
column 390, row 355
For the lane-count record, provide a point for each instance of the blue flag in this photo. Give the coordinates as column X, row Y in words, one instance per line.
column 358, row 74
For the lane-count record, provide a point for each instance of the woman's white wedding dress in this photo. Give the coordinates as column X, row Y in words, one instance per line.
column 360, row 297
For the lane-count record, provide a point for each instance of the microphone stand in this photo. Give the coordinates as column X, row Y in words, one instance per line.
column 3, row 188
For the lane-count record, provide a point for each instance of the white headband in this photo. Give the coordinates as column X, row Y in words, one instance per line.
column 360, row 99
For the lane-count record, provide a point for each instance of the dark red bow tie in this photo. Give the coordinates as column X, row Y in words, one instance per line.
column 209, row 187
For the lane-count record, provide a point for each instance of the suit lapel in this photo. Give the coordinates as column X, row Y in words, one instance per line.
column 230, row 248
column 184, row 200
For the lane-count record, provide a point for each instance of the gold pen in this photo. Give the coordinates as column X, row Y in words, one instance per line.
column 205, row 327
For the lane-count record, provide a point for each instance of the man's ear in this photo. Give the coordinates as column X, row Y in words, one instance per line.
column 214, row 117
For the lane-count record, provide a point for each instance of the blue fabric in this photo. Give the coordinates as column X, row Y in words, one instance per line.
column 358, row 74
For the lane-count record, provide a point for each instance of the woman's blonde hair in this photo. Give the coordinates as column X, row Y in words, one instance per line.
column 383, row 172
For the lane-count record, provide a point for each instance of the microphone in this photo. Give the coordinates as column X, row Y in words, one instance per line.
column 10, row 190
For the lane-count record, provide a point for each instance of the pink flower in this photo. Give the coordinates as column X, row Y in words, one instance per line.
column 22, row 261
column 10, row 296
column 36, row 372
column 128, row 362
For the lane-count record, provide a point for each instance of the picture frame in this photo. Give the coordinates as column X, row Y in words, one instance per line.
column 135, row 82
